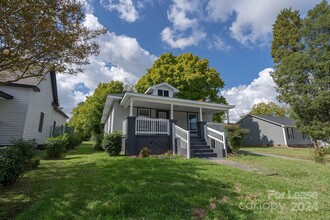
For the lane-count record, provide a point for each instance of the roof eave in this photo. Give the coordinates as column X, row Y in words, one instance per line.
column 180, row 102
column 107, row 106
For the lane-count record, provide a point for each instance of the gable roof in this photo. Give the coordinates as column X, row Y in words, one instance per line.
column 33, row 82
column 152, row 88
column 281, row 121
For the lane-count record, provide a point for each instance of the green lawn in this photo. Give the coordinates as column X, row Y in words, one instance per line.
column 300, row 153
column 91, row 185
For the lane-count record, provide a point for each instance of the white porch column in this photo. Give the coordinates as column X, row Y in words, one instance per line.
column 131, row 108
column 227, row 113
column 172, row 117
column 200, row 114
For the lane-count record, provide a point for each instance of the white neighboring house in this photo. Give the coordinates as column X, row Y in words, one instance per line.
column 161, row 122
column 29, row 108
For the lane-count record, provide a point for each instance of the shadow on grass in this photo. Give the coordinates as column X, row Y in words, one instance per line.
column 117, row 188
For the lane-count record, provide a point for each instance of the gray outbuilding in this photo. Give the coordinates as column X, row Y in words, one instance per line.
column 272, row 131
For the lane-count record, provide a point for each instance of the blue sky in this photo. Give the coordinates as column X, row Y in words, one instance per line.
column 235, row 37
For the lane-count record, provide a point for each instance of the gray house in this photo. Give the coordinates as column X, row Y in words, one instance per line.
column 272, row 131
column 29, row 108
column 160, row 121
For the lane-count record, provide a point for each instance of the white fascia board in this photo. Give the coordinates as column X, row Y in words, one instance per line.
column 174, row 101
column 107, row 106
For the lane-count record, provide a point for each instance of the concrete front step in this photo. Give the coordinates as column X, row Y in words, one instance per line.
column 204, row 155
column 197, row 151
column 202, row 146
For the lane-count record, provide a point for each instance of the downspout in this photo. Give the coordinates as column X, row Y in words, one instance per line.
column 284, row 136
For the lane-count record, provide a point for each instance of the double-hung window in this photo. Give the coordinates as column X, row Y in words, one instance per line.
column 41, row 121
column 290, row 133
column 144, row 112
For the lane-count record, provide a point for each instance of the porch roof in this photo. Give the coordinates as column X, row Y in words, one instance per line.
column 160, row 102
column 125, row 101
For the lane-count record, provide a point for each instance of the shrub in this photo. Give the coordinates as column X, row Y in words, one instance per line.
column 15, row 160
column 55, row 146
column 12, row 165
column 327, row 149
column 112, row 143
column 144, row 152
column 319, row 154
column 235, row 135
column 98, row 138
column 34, row 163
column 74, row 140
column 26, row 149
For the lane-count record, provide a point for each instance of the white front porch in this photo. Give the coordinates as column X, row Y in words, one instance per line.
column 165, row 123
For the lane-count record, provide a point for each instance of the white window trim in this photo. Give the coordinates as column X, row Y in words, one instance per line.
column 147, row 109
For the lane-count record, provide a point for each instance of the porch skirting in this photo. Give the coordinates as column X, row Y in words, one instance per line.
column 158, row 144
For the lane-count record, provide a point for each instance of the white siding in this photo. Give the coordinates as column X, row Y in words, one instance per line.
column 208, row 117
column 60, row 119
column 40, row 102
column 13, row 113
column 120, row 115
column 181, row 119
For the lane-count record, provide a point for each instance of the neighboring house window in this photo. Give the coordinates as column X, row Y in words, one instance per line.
column 143, row 112
column 304, row 135
column 290, row 133
column 54, row 127
column 160, row 92
column 166, row 93
column 41, row 121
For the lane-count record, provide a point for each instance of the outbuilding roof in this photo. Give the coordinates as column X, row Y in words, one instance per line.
column 282, row 121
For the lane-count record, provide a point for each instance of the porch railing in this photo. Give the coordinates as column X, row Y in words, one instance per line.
column 152, row 126
column 184, row 139
column 218, row 137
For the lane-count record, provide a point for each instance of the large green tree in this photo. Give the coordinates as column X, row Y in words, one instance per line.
column 41, row 35
column 86, row 117
column 270, row 109
column 302, row 70
column 193, row 76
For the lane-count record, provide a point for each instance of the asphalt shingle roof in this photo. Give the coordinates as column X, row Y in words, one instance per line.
column 278, row 120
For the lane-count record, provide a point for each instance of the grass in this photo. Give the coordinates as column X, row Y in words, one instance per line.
column 300, row 153
column 91, row 185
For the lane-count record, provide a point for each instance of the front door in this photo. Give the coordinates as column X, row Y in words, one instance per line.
column 192, row 121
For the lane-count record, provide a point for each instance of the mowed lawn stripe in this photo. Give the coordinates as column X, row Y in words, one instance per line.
column 91, row 185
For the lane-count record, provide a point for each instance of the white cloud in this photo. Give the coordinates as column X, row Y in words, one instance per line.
column 261, row 89
column 125, row 8
column 186, row 30
column 252, row 20
column 175, row 39
column 121, row 58
column 218, row 43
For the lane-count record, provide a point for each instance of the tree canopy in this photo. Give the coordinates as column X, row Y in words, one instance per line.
column 302, row 74
column 38, row 36
column 86, row 117
column 188, row 73
column 270, row 109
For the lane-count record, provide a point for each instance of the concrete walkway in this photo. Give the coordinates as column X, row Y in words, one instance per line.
column 271, row 155
column 234, row 164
